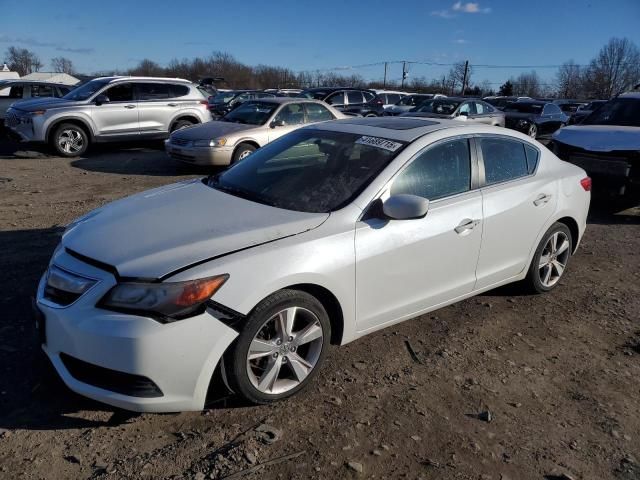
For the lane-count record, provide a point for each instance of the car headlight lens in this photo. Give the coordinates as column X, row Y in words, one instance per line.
column 216, row 142
column 36, row 113
column 165, row 302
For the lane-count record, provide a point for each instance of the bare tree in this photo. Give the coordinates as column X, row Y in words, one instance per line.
column 148, row 68
column 62, row 65
column 570, row 80
column 527, row 84
column 457, row 76
column 23, row 61
column 615, row 69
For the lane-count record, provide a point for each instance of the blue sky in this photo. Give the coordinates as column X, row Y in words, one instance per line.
column 322, row 34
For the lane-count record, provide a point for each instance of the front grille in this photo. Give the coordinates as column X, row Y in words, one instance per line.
column 617, row 164
column 180, row 142
column 112, row 380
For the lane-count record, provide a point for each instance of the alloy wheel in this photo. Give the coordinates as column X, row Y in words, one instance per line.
column 244, row 154
column 533, row 131
column 71, row 141
column 285, row 350
column 553, row 259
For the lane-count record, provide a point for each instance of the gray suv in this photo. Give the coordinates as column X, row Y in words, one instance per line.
column 109, row 109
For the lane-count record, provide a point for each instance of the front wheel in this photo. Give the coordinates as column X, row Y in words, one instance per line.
column 242, row 152
column 550, row 259
column 70, row 140
column 280, row 348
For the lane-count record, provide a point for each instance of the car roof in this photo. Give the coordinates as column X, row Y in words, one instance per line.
column 37, row 82
column 285, row 100
column 148, row 79
column 404, row 129
column 336, row 89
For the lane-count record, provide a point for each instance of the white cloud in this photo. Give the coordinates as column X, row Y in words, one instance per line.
column 469, row 7
column 442, row 14
column 460, row 41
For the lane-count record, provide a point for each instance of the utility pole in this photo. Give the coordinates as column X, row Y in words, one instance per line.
column 384, row 83
column 404, row 72
column 464, row 80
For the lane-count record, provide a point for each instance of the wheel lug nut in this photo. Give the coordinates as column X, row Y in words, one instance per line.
column 290, row 339
column 279, row 342
column 275, row 355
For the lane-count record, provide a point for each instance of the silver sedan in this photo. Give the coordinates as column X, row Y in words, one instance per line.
column 459, row 108
column 245, row 129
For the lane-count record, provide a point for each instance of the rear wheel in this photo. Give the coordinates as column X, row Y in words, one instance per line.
column 280, row 349
column 243, row 151
column 550, row 259
column 533, row 130
column 70, row 140
column 180, row 124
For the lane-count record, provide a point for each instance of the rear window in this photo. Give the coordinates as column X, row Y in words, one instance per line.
column 153, row 91
column 181, row 91
column 504, row 159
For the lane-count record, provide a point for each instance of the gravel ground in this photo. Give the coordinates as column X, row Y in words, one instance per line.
column 502, row 386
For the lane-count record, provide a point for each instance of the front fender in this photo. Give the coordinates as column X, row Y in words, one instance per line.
column 57, row 118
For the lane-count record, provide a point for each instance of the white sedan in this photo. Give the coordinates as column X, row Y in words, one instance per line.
column 331, row 232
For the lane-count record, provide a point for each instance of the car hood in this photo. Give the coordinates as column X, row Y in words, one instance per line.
column 43, row 104
column 600, row 138
column 213, row 129
column 154, row 233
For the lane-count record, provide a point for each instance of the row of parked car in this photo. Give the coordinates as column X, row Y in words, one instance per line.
column 127, row 108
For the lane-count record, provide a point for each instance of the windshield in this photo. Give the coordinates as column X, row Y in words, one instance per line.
column 592, row 105
column 440, row 107
column 85, row 91
column 520, row 107
column 412, row 100
column 309, row 170
column 251, row 113
column 316, row 95
column 224, row 97
column 620, row 111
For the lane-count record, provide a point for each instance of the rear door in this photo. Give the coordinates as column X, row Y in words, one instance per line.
column 482, row 113
column 336, row 100
column 119, row 114
column 516, row 203
column 156, row 107
column 406, row 266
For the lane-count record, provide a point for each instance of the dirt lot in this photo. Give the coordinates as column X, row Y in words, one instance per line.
column 559, row 374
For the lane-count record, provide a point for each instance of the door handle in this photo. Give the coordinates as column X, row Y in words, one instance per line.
column 172, row 104
column 465, row 225
column 129, row 106
column 542, row 199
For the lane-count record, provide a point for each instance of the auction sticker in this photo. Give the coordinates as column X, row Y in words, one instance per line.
column 379, row 143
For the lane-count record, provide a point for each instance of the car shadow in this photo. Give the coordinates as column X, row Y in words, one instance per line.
column 614, row 211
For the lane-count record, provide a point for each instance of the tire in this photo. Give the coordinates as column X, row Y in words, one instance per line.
column 180, row 124
column 371, row 115
column 532, row 131
column 282, row 365
column 70, row 140
column 537, row 274
column 242, row 152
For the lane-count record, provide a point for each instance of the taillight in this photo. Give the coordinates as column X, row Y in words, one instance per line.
column 586, row 184
column 204, row 102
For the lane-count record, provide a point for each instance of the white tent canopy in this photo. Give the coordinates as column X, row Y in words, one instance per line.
column 53, row 77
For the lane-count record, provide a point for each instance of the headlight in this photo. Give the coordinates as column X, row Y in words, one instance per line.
column 165, row 302
column 217, row 142
column 35, row 113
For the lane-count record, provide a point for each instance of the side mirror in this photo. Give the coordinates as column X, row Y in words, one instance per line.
column 100, row 99
column 277, row 123
column 405, row 207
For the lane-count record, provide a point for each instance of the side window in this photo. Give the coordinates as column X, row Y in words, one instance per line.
column 153, row 91
column 291, row 114
column 180, row 91
column 42, row 91
column 17, row 91
column 547, row 109
column 336, row 99
column 503, row 159
column 120, row 93
column 368, row 96
column 480, row 110
column 317, row 113
column 62, row 91
column 354, row 97
column 393, row 98
column 532, row 158
column 468, row 108
column 440, row 171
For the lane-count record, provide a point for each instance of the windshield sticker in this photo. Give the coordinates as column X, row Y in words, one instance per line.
column 379, row 143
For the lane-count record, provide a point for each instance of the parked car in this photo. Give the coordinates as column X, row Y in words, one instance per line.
column 502, row 101
column 584, row 111
column 12, row 91
column 459, row 108
column 389, row 97
column 225, row 101
column 534, row 118
column 109, row 109
column 569, row 107
column 323, row 236
column 607, row 145
column 354, row 101
column 245, row 129
column 284, row 92
column 409, row 102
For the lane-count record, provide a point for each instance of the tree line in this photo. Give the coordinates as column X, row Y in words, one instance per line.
column 614, row 69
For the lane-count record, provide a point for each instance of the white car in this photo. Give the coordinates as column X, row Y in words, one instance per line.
column 327, row 234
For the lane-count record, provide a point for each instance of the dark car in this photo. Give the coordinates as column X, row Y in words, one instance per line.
column 534, row 118
column 410, row 102
column 585, row 110
column 569, row 107
column 607, row 145
column 501, row 101
column 354, row 101
column 224, row 102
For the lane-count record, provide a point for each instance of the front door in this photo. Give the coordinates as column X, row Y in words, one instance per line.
column 118, row 115
column 404, row 267
column 287, row 119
